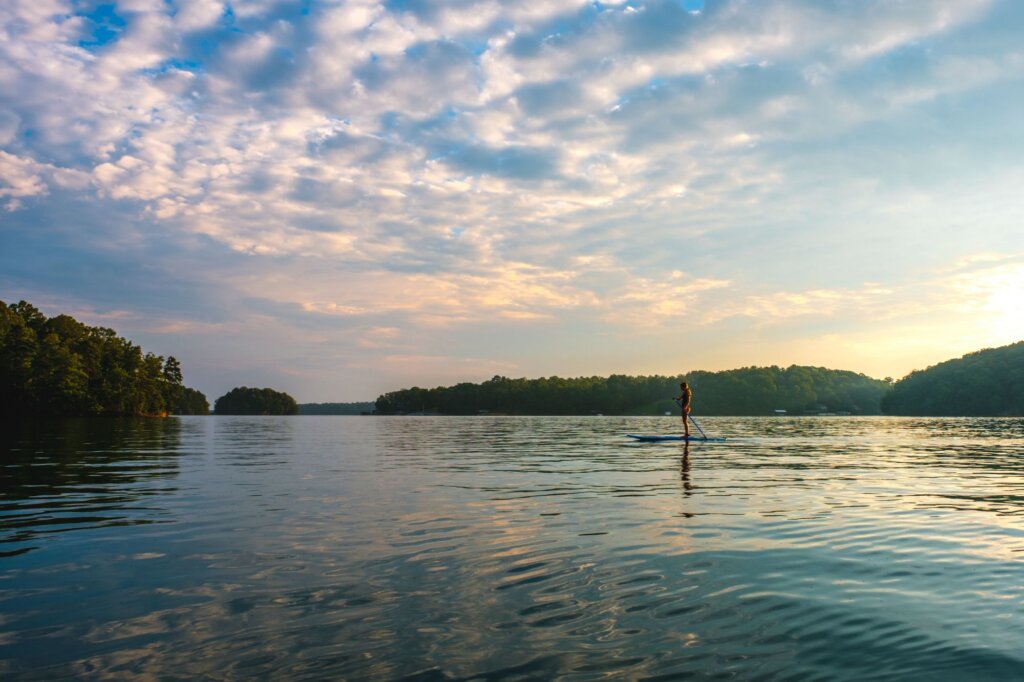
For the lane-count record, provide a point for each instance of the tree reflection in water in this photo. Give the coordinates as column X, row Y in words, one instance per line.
column 76, row 474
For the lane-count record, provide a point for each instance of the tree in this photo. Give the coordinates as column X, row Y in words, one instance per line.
column 192, row 402
column 172, row 382
column 58, row 366
column 988, row 382
column 750, row 390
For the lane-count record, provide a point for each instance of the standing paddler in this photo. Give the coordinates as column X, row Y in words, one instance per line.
column 684, row 401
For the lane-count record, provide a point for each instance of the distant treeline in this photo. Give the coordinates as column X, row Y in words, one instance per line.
column 747, row 391
column 58, row 366
column 335, row 408
column 985, row 383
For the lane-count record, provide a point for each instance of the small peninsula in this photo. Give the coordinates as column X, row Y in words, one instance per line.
column 57, row 366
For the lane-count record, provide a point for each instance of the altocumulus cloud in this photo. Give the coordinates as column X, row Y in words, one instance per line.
column 347, row 167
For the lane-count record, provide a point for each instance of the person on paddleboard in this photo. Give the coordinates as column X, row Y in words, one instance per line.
column 684, row 401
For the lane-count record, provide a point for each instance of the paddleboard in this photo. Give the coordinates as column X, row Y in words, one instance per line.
column 692, row 439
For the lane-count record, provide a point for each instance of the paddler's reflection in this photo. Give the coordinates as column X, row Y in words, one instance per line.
column 684, row 469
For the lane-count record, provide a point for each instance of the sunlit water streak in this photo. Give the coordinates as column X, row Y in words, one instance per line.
column 507, row 548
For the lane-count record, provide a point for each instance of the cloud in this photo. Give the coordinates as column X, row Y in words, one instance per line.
column 25, row 177
column 193, row 15
column 20, row 177
column 9, row 123
column 424, row 165
column 522, row 163
column 470, row 100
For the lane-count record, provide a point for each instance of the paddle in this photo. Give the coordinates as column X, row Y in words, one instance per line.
column 698, row 428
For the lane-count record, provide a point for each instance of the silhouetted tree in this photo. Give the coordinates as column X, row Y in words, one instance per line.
column 61, row 367
column 192, row 402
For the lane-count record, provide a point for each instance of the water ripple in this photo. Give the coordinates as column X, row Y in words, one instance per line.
column 512, row 549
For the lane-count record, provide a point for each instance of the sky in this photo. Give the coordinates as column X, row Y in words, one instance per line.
column 338, row 199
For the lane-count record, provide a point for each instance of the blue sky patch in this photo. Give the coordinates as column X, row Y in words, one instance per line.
column 104, row 25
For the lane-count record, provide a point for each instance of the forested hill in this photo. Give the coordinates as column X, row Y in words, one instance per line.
column 984, row 383
column 58, row 366
column 748, row 391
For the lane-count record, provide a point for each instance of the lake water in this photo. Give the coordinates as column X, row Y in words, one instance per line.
column 501, row 548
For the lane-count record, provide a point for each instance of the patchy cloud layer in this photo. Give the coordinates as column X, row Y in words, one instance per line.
column 419, row 191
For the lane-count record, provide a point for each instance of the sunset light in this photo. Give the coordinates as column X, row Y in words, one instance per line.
column 698, row 185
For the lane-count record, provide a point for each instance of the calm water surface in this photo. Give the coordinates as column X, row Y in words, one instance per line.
column 490, row 548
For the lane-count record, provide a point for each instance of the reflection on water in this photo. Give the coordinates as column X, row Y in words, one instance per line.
column 512, row 548
column 684, row 470
column 66, row 475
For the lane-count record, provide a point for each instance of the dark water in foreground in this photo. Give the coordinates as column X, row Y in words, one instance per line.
column 512, row 548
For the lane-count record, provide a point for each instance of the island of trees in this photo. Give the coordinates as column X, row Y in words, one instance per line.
column 987, row 383
column 255, row 401
column 747, row 391
column 58, row 366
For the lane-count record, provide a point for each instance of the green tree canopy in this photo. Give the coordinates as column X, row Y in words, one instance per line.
column 60, row 367
column 192, row 402
column 988, row 382
column 746, row 391
column 245, row 400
